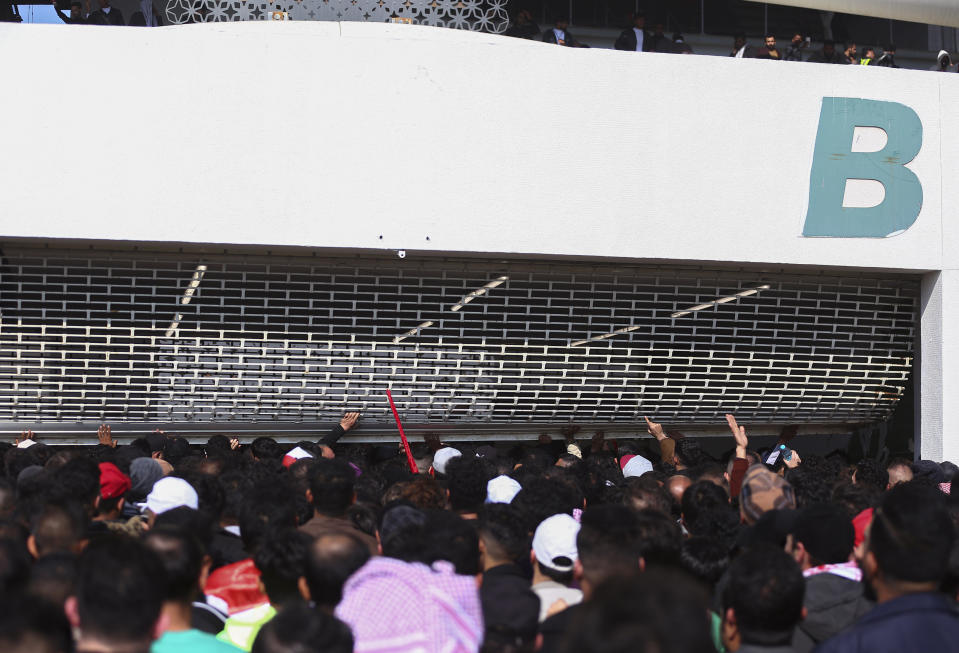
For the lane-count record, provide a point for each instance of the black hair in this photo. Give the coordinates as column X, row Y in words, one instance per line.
column 78, row 480
column 601, row 472
column 609, row 542
column 217, row 445
column 855, row 497
column 31, row 625
column 8, row 497
column 154, row 442
column 14, row 566
column 467, row 477
column 654, row 611
column 765, row 591
column 235, row 485
column 298, row 628
column 660, row 538
column 503, row 530
column 331, row 559
column 644, row 492
column 540, row 498
column 53, row 578
column 264, row 448
column 690, row 453
column 454, row 540
column 267, row 508
column 871, row 473
column 177, row 448
column 911, row 533
column 402, row 532
column 281, row 561
column 707, row 512
column 182, row 558
column 826, row 533
column 331, row 483
column 705, row 559
column 364, row 517
column 59, row 528
column 119, row 590
column 811, row 484
column 561, row 577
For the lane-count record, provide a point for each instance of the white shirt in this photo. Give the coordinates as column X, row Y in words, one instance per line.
column 560, row 35
column 742, row 51
column 550, row 591
column 639, row 39
column 106, row 10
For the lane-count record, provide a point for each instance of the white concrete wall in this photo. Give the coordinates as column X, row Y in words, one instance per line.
column 397, row 137
column 326, row 134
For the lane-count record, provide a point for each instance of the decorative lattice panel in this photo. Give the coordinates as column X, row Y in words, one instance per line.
column 476, row 15
column 188, row 337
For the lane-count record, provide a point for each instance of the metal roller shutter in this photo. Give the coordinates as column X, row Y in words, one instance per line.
column 162, row 337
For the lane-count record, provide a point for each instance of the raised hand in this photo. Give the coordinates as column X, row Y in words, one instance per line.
column 654, row 429
column 739, row 434
column 25, row 435
column 349, row 421
column 105, row 437
column 234, row 443
column 793, row 461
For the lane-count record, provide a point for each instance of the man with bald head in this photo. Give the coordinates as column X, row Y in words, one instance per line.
column 332, row 559
column 900, row 471
column 676, row 486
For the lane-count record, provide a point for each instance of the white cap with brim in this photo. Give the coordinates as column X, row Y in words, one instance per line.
column 636, row 466
column 443, row 456
column 502, row 489
column 169, row 493
column 554, row 542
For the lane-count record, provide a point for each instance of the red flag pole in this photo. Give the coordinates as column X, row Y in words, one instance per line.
column 406, row 444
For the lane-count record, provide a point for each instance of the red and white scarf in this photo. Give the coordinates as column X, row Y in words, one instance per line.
column 848, row 570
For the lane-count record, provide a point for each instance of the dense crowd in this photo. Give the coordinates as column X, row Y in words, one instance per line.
column 561, row 545
column 638, row 37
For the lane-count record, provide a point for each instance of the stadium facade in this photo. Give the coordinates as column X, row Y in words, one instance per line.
column 259, row 225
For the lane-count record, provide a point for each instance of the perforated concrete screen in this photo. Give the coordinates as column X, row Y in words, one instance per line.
column 133, row 337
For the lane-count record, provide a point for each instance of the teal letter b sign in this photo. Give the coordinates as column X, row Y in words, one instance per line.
column 834, row 163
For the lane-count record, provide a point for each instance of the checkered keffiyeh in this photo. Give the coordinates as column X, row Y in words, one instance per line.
column 395, row 606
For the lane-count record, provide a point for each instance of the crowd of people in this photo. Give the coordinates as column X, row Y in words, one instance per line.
column 82, row 13
column 562, row 545
column 638, row 38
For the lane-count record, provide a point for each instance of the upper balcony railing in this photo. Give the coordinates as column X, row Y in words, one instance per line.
column 476, row 15
column 717, row 17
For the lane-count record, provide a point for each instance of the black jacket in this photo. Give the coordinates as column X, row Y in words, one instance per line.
column 550, row 37
column 833, row 603
column 554, row 628
column 914, row 623
column 66, row 18
column 627, row 41
column 510, row 607
column 99, row 17
column 528, row 30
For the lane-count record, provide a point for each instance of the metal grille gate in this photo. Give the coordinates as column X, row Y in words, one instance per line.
column 137, row 337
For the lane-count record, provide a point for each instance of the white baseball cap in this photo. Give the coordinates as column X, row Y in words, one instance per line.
column 443, row 456
column 635, row 466
column 294, row 454
column 502, row 489
column 169, row 493
column 554, row 542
